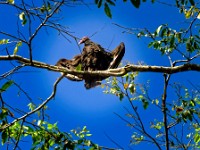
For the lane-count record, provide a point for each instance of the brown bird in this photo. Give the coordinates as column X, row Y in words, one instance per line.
column 94, row 57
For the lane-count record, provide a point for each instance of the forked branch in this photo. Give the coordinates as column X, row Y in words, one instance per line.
column 37, row 108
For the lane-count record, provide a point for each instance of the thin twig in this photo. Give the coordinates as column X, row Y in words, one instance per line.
column 39, row 107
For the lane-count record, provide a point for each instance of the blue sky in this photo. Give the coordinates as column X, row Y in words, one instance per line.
column 74, row 106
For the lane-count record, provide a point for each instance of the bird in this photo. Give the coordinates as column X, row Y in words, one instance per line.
column 94, row 57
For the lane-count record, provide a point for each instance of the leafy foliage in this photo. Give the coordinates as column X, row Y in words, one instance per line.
column 46, row 136
column 181, row 113
column 184, row 110
column 6, row 86
column 108, row 3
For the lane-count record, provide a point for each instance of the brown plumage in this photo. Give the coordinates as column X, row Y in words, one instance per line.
column 94, row 57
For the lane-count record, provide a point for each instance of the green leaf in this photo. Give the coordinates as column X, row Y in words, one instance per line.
column 157, row 101
column 6, row 86
column 11, row 1
column 31, row 106
column 172, row 42
column 48, row 6
column 121, row 96
column 150, row 44
column 188, row 14
column 107, row 10
column 84, row 128
column 158, row 30
column 80, row 141
column 4, row 136
column 131, row 88
column 96, row 1
column 145, row 104
column 110, row 2
column 136, row 3
column 178, row 36
column 192, row 2
column 4, row 41
column 17, row 47
column 4, row 113
column 99, row 3
column 78, row 68
column 23, row 18
column 88, row 134
column 197, row 138
column 87, row 142
column 52, row 126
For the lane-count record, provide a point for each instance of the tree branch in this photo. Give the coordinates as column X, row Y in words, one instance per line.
column 110, row 72
column 164, row 110
column 37, row 108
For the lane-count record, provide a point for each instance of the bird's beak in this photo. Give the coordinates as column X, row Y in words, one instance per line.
column 80, row 42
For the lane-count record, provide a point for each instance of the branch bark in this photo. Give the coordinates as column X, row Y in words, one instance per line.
column 164, row 110
column 110, row 72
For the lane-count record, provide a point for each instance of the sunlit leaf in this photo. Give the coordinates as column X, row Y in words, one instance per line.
column 11, row 1
column 4, row 41
column 88, row 134
column 39, row 123
column 87, row 142
column 198, row 17
column 197, row 138
column 158, row 30
column 31, row 106
column 188, row 14
column 22, row 16
column 17, row 47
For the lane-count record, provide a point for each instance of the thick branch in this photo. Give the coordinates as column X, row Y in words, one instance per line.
column 110, row 72
column 164, row 110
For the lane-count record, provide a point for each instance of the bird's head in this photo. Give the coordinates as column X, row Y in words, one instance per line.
column 83, row 40
column 62, row 62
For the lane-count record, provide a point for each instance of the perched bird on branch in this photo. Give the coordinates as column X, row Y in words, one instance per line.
column 94, row 57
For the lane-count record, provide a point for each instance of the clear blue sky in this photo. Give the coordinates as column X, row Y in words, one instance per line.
column 74, row 106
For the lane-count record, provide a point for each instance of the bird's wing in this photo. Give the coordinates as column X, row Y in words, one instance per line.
column 117, row 54
column 68, row 64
